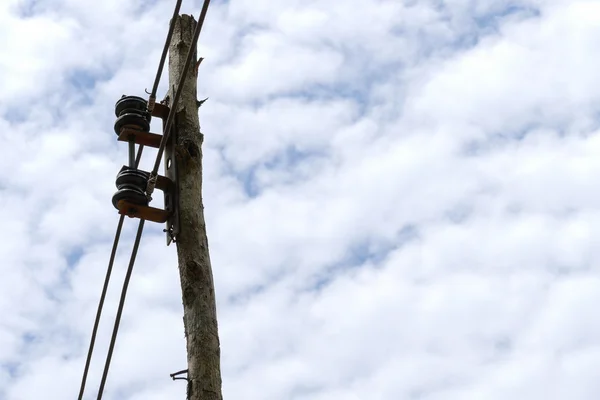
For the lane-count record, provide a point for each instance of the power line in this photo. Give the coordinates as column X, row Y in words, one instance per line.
column 113, row 338
column 103, row 294
column 100, row 306
column 163, row 56
column 151, row 102
column 161, row 64
column 171, row 117
column 150, row 188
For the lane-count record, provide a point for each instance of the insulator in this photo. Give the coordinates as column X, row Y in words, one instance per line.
column 144, row 114
column 132, row 176
column 130, row 193
column 130, row 104
column 135, row 121
column 131, row 185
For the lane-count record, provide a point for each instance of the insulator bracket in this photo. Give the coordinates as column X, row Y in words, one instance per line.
column 127, row 200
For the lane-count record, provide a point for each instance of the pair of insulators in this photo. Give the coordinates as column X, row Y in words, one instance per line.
column 132, row 112
column 131, row 185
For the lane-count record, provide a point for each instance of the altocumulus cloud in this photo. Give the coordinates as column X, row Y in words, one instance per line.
column 401, row 199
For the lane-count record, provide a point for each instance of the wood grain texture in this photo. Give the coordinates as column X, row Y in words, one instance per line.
column 199, row 304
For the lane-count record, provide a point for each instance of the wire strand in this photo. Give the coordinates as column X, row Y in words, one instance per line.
column 163, row 56
column 161, row 65
column 104, row 290
column 138, row 157
column 113, row 338
column 101, row 305
column 171, row 117
column 166, row 131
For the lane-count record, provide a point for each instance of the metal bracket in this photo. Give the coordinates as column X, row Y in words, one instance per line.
column 172, row 196
column 175, row 377
column 189, row 383
column 144, row 212
column 148, row 139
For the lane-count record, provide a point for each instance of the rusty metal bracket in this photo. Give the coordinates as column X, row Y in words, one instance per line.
column 140, row 137
column 175, row 377
column 143, row 212
column 171, row 196
column 169, row 183
column 161, row 110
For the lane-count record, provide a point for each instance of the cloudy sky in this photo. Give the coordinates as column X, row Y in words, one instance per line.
column 400, row 198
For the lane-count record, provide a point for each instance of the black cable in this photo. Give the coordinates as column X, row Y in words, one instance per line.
column 100, row 305
column 171, row 117
column 121, row 219
column 104, row 290
column 131, row 153
column 139, row 155
column 164, row 139
column 161, row 65
column 163, row 56
column 113, row 338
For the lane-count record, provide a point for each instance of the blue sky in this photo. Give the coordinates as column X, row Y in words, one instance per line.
column 400, row 199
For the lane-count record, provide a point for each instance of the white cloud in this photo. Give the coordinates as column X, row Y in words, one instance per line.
column 400, row 199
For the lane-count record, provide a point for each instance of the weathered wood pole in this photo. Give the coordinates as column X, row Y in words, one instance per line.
column 197, row 285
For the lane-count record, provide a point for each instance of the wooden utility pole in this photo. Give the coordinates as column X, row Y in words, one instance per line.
column 197, row 286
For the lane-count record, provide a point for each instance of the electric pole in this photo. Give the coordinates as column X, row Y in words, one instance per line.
column 197, row 285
